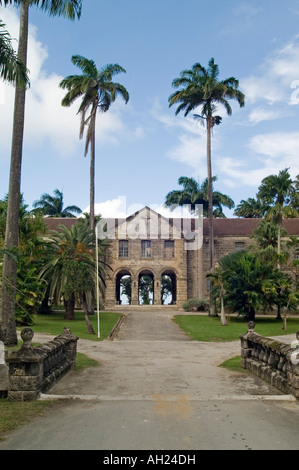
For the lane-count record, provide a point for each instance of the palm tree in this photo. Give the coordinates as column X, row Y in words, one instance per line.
column 194, row 194
column 218, row 280
column 251, row 209
column 278, row 192
column 53, row 205
column 69, row 9
column 71, row 268
column 12, row 70
column 98, row 92
column 200, row 87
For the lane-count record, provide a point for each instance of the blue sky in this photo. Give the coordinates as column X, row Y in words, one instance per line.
column 142, row 147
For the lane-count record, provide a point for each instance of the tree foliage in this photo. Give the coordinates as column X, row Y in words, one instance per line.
column 71, row 268
column 53, row 206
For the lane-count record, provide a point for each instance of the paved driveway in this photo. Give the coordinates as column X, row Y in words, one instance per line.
column 156, row 389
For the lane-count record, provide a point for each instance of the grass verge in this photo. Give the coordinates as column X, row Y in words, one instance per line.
column 54, row 324
column 205, row 328
column 16, row 414
column 234, row 364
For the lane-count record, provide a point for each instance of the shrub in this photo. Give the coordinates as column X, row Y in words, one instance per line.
column 195, row 305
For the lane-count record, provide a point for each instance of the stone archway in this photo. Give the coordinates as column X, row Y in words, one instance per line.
column 168, row 287
column 146, row 287
column 123, row 287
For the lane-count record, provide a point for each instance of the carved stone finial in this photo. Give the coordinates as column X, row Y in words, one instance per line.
column 251, row 326
column 27, row 335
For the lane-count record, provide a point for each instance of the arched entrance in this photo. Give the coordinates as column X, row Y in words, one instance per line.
column 123, row 288
column 168, row 288
column 146, row 288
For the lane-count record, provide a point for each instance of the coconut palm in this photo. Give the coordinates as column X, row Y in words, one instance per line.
column 53, row 206
column 98, row 92
column 200, row 87
column 251, row 209
column 71, row 268
column 194, row 194
column 69, row 9
column 278, row 192
column 12, row 70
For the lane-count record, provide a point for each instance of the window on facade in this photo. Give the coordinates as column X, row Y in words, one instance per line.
column 169, row 249
column 146, row 249
column 123, row 249
column 296, row 256
column 239, row 246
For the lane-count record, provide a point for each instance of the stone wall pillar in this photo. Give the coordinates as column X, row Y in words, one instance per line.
column 157, row 291
column 25, row 370
column 135, row 294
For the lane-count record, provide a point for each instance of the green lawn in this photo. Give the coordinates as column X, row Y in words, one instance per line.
column 54, row 324
column 205, row 328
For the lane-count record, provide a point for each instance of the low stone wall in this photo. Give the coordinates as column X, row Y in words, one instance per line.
column 32, row 371
column 273, row 361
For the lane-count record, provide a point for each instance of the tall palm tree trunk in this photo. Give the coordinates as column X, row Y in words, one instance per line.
column 92, row 166
column 7, row 319
column 278, row 316
column 90, row 299
column 279, row 242
column 92, row 182
column 210, row 213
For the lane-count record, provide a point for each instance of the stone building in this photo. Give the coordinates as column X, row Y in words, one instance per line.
column 149, row 246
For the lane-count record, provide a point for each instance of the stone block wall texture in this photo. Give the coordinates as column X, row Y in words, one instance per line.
column 273, row 361
column 32, row 371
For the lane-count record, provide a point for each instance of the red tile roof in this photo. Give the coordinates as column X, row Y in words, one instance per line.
column 222, row 227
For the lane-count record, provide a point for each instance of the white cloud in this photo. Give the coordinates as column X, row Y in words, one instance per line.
column 258, row 115
column 275, row 151
column 282, row 145
column 47, row 122
column 272, row 82
column 118, row 209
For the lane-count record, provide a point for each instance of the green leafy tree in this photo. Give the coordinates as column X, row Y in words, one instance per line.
column 243, row 278
column 98, row 92
column 265, row 238
column 251, row 209
column 29, row 256
column 278, row 191
column 217, row 279
column 166, row 288
column 146, row 289
column 126, row 287
column 12, row 70
column 194, row 194
column 53, row 206
column 69, row 9
column 200, row 87
column 71, row 269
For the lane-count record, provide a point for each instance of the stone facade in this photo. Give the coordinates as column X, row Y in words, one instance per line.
column 147, row 243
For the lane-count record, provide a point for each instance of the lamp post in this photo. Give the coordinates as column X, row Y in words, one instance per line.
column 97, row 282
